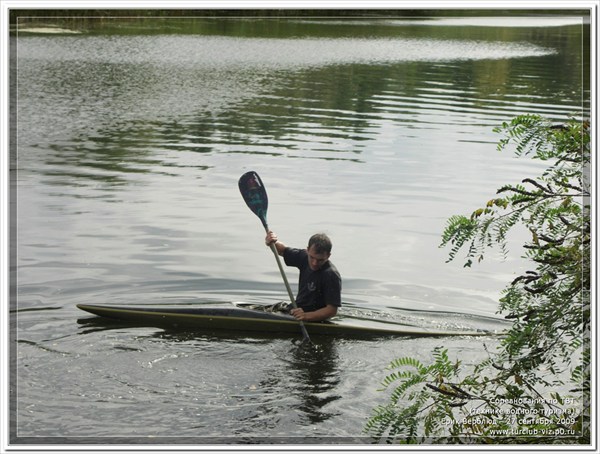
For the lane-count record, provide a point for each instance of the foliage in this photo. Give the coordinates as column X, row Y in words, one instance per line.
column 535, row 388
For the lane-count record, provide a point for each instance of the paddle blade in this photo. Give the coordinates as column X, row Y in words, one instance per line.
column 255, row 195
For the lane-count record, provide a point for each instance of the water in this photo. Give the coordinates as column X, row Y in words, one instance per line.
column 129, row 147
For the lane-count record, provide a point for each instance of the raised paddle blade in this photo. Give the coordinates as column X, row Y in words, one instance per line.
column 255, row 195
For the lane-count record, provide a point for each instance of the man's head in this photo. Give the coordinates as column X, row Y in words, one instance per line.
column 319, row 250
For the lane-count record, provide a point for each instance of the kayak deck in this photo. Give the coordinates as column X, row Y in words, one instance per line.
column 237, row 317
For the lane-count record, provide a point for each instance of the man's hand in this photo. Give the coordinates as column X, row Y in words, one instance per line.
column 270, row 238
column 298, row 314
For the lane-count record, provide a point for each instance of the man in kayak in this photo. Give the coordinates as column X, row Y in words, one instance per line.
column 320, row 284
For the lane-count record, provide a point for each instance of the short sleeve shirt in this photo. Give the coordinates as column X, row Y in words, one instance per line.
column 316, row 289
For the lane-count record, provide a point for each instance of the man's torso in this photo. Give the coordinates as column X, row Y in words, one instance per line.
column 316, row 289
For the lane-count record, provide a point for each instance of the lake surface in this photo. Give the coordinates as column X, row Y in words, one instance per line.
column 130, row 139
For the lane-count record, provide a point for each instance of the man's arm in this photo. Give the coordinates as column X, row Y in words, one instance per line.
column 316, row 316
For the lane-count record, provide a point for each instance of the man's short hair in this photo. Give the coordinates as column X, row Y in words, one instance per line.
column 321, row 242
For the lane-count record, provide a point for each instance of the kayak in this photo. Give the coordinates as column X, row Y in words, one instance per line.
column 240, row 317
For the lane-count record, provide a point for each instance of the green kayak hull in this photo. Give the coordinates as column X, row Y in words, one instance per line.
column 240, row 318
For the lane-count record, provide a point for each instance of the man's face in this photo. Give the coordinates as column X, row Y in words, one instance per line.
column 315, row 260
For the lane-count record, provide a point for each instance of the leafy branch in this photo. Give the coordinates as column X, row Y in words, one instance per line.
column 548, row 344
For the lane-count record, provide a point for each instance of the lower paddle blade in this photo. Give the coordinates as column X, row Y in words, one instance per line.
column 255, row 195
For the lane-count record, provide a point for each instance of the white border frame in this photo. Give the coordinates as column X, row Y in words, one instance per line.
column 6, row 5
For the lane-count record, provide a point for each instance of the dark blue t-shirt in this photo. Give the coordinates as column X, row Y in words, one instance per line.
column 316, row 289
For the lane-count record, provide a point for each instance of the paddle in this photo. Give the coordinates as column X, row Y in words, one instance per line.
column 255, row 195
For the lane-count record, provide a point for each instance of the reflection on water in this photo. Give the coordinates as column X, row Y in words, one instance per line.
column 316, row 370
column 129, row 147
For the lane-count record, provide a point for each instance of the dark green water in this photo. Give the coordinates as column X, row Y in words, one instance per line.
column 131, row 136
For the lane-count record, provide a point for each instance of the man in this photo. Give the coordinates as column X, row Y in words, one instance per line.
column 319, row 284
